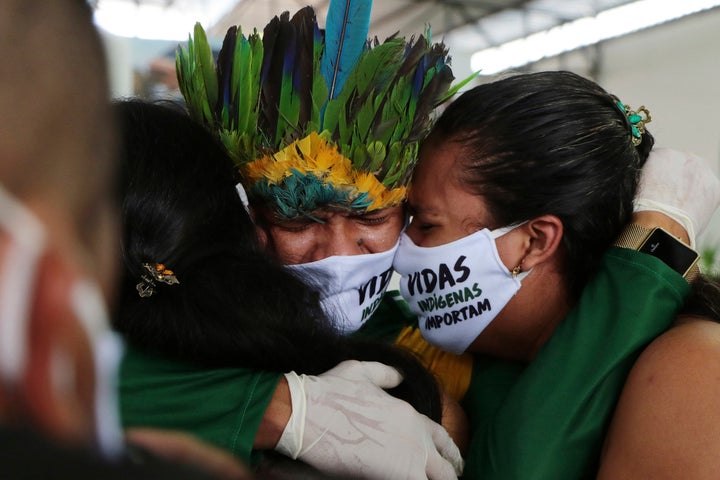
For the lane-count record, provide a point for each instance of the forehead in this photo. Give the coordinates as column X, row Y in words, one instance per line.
column 330, row 213
column 437, row 189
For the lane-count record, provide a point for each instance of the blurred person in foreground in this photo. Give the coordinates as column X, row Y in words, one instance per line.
column 58, row 358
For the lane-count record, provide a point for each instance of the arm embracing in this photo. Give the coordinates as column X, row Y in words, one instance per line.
column 667, row 424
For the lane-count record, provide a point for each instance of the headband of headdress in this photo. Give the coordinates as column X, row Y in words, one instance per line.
column 318, row 118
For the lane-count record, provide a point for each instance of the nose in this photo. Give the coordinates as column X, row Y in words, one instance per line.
column 338, row 238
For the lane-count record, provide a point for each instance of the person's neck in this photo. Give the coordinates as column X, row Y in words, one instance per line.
column 529, row 320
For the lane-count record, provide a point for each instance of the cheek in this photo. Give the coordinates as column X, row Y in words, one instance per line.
column 415, row 234
column 382, row 237
column 437, row 235
column 262, row 236
column 509, row 250
column 289, row 248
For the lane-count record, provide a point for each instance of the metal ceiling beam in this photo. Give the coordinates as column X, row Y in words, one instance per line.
column 467, row 12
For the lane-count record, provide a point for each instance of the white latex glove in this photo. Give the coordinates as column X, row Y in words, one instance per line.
column 344, row 423
column 681, row 185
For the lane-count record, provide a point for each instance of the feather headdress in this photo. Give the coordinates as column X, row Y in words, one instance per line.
column 318, row 118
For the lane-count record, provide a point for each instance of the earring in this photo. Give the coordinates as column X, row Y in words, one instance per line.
column 516, row 271
column 360, row 242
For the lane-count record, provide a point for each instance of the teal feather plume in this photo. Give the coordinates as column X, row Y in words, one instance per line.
column 301, row 193
column 346, row 31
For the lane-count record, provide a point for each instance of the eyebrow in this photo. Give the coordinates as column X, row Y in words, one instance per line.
column 415, row 209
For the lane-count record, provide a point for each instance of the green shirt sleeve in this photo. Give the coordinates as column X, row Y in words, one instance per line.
column 221, row 406
column 548, row 420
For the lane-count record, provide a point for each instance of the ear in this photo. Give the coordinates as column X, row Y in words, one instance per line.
column 58, row 387
column 253, row 213
column 541, row 241
column 263, row 236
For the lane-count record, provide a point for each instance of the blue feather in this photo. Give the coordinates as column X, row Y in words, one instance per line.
column 346, row 31
column 419, row 77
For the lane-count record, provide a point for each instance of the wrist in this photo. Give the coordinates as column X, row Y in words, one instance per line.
column 291, row 441
column 652, row 219
column 275, row 419
column 659, row 243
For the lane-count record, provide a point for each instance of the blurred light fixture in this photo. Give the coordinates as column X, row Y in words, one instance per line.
column 607, row 24
column 157, row 20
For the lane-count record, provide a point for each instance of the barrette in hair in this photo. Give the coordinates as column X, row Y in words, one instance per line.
column 637, row 120
column 155, row 273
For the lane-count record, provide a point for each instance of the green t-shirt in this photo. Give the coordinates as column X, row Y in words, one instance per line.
column 222, row 406
column 547, row 420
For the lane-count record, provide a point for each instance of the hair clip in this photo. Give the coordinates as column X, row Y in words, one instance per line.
column 637, row 121
column 156, row 273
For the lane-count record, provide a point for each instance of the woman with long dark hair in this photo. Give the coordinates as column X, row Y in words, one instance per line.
column 519, row 193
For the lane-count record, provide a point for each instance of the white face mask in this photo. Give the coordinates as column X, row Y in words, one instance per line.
column 18, row 271
column 455, row 289
column 351, row 286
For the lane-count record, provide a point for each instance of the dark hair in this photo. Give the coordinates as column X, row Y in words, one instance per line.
column 549, row 143
column 233, row 306
column 704, row 298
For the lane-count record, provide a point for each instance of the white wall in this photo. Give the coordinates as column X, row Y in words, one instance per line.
column 673, row 69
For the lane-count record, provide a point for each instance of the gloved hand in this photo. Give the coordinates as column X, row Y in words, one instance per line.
column 681, row 185
column 344, row 423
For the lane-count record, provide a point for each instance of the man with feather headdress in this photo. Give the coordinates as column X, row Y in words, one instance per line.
column 325, row 128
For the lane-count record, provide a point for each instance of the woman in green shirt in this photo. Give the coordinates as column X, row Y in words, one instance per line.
column 520, row 190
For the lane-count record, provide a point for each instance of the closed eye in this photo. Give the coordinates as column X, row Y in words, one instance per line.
column 372, row 220
column 293, row 225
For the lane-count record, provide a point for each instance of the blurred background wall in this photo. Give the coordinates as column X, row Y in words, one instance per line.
column 673, row 69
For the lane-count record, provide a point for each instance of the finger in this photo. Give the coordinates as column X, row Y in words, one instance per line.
column 438, row 468
column 446, row 447
column 378, row 373
column 382, row 375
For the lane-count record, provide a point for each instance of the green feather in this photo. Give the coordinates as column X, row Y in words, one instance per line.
column 205, row 71
column 289, row 112
column 190, row 63
column 456, row 88
column 238, row 82
column 246, row 75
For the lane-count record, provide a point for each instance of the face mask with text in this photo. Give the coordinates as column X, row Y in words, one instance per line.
column 351, row 286
column 455, row 289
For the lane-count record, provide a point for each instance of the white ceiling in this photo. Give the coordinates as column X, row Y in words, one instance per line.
column 479, row 23
column 465, row 26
